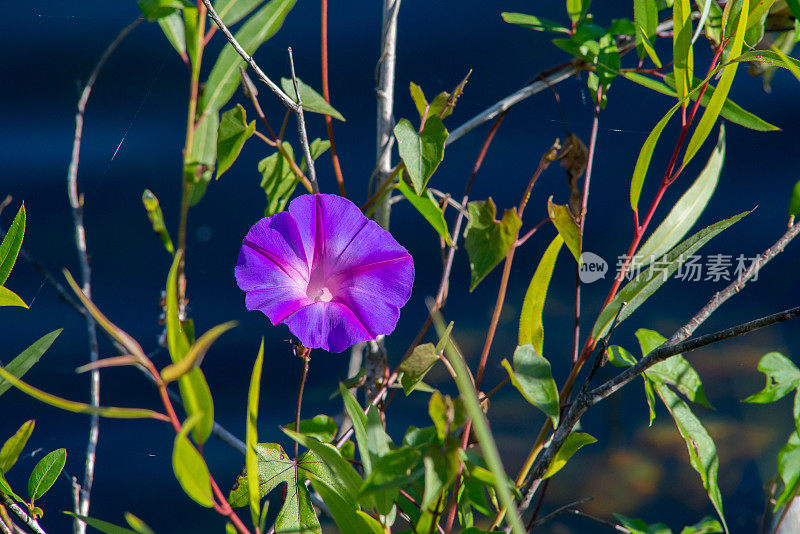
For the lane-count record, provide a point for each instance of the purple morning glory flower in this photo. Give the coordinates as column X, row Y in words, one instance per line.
column 334, row 277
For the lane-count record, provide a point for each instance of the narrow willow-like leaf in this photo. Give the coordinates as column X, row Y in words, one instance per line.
column 45, row 473
column 574, row 441
column 174, row 31
column 156, row 9
column 359, row 421
column 189, row 467
column 137, row 524
column 790, row 63
column 312, row 100
column 12, row 242
column 116, row 332
column 637, row 526
column 251, row 456
column 707, row 525
column 645, row 16
column 531, row 327
column 646, row 154
column 156, row 217
column 640, row 288
column 27, row 358
column 482, row 430
column 568, row 229
column 421, row 152
column 769, row 57
column 103, row 526
column 534, row 23
column 225, row 76
column 685, row 213
column 427, row 206
column 345, row 513
column 232, row 11
column 233, row 131
column 278, row 180
column 79, row 407
column 9, row 298
column 702, row 451
column 194, row 357
column 14, row 445
column 532, row 377
column 714, row 107
column 789, row 470
column 488, row 241
column 682, row 47
column 198, row 167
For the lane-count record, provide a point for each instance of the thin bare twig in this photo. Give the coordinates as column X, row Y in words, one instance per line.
column 76, row 202
column 567, row 508
column 301, row 129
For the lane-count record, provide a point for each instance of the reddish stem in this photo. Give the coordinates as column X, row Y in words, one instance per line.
column 337, row 169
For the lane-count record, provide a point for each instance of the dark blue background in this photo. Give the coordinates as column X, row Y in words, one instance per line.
column 133, row 138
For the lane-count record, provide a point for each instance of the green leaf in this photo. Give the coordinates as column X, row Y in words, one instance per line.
column 157, row 9
column 714, row 107
column 637, row 526
column 26, row 359
column 394, row 469
column 534, row 23
column 251, row 455
column 481, row 427
column 78, row 407
column 193, row 39
column 225, row 76
column 321, row 427
column 707, row 525
column 646, row 154
column 533, row 378
column 9, row 298
column 567, row 228
column 794, row 201
column 682, row 47
column 417, row 365
column 233, row 132
column 174, row 31
column 427, row 206
column 576, row 9
column 12, row 242
column 199, row 163
column 675, row 371
column 232, row 11
column 702, row 451
column 441, row 467
column 359, row 421
column 685, row 213
column 640, row 288
column 194, row 357
column 782, row 377
column 156, row 217
column 439, row 106
column 345, row 514
column 45, row 473
column 447, row 415
column 312, row 100
column 574, row 441
column 790, row 63
column 5, row 489
column 488, row 241
column 348, row 481
column 769, row 57
column 316, row 149
column 619, row 357
column 14, row 445
column 645, row 16
column 189, row 467
column 421, row 152
column 278, row 180
column 789, row 469
column 102, row 526
column 137, row 524
column 650, row 83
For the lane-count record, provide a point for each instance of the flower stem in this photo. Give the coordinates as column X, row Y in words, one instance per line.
column 304, row 374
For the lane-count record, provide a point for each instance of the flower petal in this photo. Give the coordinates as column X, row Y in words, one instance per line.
column 276, row 302
column 376, row 292
column 272, row 255
column 327, row 325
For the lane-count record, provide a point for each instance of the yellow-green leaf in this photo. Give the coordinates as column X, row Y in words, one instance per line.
column 9, row 298
column 251, row 455
column 531, row 329
column 189, row 467
column 194, row 357
column 568, row 229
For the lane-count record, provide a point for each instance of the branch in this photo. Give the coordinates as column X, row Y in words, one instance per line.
column 23, row 516
column 76, row 202
column 385, row 95
column 283, row 97
column 301, row 129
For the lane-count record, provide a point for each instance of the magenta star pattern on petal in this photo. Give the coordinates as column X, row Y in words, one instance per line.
column 334, row 277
